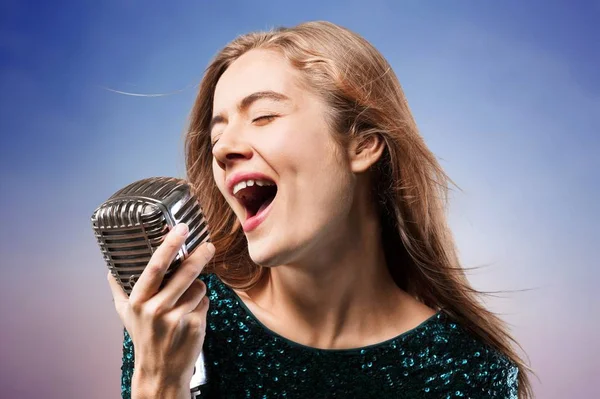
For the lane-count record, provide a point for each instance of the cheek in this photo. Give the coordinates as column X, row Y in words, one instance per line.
column 320, row 178
column 300, row 148
column 219, row 177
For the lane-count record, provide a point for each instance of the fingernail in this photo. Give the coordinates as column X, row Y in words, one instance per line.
column 181, row 229
column 211, row 248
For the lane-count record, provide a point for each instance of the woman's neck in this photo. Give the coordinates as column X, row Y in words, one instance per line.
column 343, row 298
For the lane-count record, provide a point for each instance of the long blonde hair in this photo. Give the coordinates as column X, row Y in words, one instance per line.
column 365, row 98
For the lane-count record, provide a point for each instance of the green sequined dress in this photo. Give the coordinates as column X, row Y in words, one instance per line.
column 244, row 359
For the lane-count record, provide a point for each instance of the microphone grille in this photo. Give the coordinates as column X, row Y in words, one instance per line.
column 131, row 224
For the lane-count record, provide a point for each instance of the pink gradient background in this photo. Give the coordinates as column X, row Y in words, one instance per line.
column 507, row 95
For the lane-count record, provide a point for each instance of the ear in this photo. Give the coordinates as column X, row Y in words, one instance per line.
column 363, row 152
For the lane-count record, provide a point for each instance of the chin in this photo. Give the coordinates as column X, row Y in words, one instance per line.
column 271, row 252
column 266, row 252
column 263, row 255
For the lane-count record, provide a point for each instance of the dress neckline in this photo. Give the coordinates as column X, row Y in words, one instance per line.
column 349, row 351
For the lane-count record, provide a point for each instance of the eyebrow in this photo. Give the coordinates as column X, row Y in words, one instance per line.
column 248, row 101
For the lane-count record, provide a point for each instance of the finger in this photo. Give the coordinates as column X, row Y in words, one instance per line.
column 202, row 255
column 118, row 293
column 197, row 317
column 202, row 306
column 190, row 299
column 185, row 275
column 152, row 276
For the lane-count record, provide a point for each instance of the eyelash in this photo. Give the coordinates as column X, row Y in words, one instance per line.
column 264, row 117
column 268, row 117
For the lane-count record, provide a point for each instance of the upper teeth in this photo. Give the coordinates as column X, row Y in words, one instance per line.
column 250, row 183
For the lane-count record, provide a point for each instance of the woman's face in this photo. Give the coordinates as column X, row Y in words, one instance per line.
column 275, row 160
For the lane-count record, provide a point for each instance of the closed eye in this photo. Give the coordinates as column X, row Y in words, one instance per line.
column 264, row 119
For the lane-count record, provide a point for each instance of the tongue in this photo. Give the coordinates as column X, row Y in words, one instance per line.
column 264, row 206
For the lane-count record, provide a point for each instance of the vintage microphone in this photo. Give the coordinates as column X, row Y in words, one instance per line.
column 131, row 224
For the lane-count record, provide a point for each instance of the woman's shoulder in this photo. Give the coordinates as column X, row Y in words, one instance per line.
column 459, row 358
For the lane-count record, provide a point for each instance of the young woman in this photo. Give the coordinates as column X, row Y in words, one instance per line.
column 335, row 274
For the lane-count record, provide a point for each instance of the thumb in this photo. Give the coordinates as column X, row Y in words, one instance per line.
column 119, row 295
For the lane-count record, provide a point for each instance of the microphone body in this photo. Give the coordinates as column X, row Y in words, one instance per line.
column 131, row 224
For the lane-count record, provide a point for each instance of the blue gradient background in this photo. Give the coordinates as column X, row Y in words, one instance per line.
column 506, row 94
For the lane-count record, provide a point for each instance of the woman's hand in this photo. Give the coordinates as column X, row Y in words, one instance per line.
column 167, row 326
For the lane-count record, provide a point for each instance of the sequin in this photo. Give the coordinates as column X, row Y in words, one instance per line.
column 437, row 359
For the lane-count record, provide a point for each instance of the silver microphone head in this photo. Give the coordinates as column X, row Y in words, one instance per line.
column 131, row 224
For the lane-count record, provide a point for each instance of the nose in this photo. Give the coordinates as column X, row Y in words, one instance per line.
column 231, row 148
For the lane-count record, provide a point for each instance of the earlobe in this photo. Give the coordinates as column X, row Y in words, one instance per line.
column 365, row 152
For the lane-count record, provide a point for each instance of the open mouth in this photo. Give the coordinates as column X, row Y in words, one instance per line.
column 255, row 195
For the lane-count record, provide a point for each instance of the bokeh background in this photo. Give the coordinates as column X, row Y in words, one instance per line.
column 506, row 93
